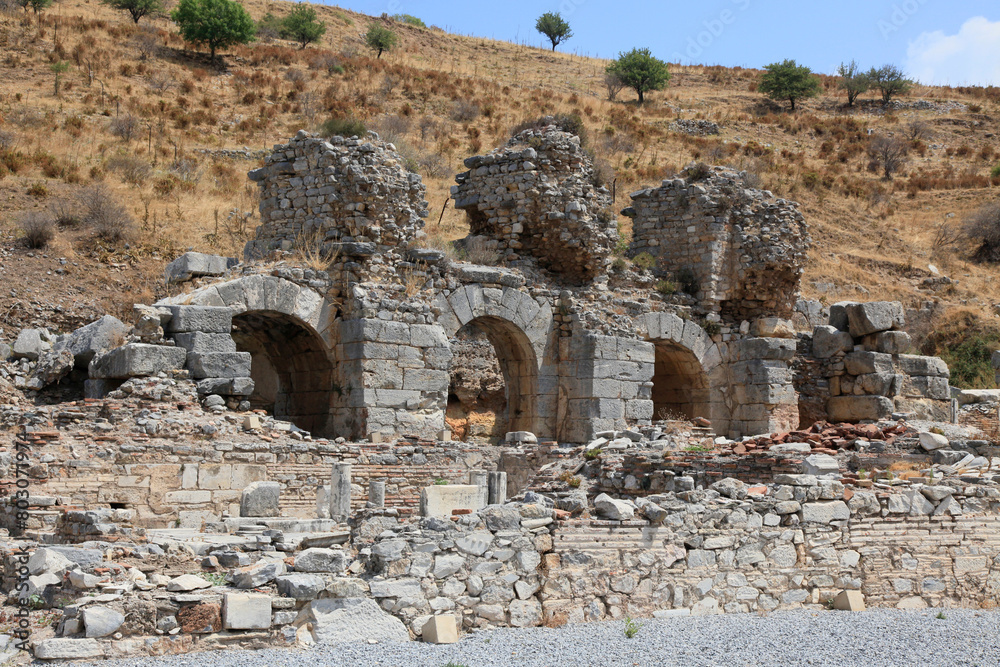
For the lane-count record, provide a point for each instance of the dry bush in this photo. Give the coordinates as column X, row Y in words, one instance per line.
column 38, row 228
column 124, row 127
column 614, row 85
column 982, row 229
column 392, row 129
column 464, row 111
column 103, row 213
column 65, row 211
column 160, row 82
column 133, row 170
column 888, row 155
column 146, row 41
column 918, row 130
column 478, row 250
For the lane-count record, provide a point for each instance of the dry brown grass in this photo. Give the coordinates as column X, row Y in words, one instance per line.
column 444, row 97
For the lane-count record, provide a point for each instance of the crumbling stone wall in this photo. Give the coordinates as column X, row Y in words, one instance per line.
column 738, row 250
column 537, row 197
column 863, row 355
column 327, row 193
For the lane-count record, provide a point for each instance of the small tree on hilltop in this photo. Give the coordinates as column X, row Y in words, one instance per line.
column 301, row 26
column 379, row 39
column 218, row 24
column 788, row 81
column 853, row 81
column 553, row 26
column 639, row 70
column 136, row 8
column 890, row 81
column 36, row 6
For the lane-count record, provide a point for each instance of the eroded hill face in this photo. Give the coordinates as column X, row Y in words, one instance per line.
column 172, row 137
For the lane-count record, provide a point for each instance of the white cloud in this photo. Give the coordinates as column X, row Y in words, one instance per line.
column 968, row 58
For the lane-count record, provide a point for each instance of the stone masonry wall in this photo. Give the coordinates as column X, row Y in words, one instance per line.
column 537, row 197
column 326, row 193
column 741, row 252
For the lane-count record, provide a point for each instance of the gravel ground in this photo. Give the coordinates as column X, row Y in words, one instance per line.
column 874, row 637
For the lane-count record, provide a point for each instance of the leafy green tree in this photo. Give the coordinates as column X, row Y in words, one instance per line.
column 218, row 24
column 58, row 68
column 301, row 26
column 853, row 81
column 380, row 39
column 640, row 71
column 136, row 8
column 890, row 81
column 788, row 81
column 553, row 26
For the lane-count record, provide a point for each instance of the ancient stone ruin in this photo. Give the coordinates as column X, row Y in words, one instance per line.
column 268, row 456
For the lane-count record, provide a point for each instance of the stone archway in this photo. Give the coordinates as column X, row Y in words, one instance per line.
column 518, row 328
column 688, row 378
column 291, row 333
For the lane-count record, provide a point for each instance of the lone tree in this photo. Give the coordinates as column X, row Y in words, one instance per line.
column 136, row 8
column 890, row 81
column 218, row 24
column 553, row 26
column 379, row 39
column 788, row 81
column 982, row 228
column 888, row 155
column 853, row 80
column 639, row 70
column 35, row 5
column 301, row 26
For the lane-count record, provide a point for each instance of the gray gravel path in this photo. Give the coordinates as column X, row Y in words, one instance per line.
column 874, row 637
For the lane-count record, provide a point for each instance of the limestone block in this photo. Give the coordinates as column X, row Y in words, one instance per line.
column 28, row 345
column 828, row 341
column 925, row 386
column 858, row 408
column 68, row 649
column 300, row 586
column 258, row 574
column 137, row 360
column 820, row 464
column 849, row 601
column 90, row 340
column 932, row 441
column 207, row 319
column 442, row 499
column 350, row 620
column 246, row 611
column 317, row 559
column 196, row 264
column 205, row 343
column 838, row 315
column 873, row 317
column 100, row 621
column 862, row 363
column 219, row 365
column 611, row 508
column 772, row 327
column 917, row 365
column 825, row 512
column 240, row 386
column 889, row 342
column 442, row 629
column 260, row 499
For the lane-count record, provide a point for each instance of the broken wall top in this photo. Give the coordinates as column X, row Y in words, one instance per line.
column 538, row 196
column 337, row 194
column 743, row 250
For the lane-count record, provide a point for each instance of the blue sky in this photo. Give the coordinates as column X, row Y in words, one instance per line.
column 938, row 42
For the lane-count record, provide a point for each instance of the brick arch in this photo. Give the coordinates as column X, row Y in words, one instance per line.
column 518, row 327
column 689, row 376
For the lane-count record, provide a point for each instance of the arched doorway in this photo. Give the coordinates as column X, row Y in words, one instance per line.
column 477, row 406
column 293, row 373
column 680, row 385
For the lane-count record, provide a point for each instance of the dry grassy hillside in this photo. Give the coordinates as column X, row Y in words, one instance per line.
column 142, row 117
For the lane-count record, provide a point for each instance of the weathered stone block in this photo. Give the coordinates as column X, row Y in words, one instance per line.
column 863, row 363
column 68, row 649
column 849, row 601
column 858, row 408
column 350, row 619
column 205, row 343
column 219, row 365
column 875, row 316
column 90, row 340
column 441, row 500
column 196, row 264
column 917, row 365
column 137, row 360
column 207, row 319
column 442, row 629
column 260, row 499
column 246, row 611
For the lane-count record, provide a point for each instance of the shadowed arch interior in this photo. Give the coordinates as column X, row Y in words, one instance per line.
column 680, row 384
column 294, row 376
column 519, row 367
